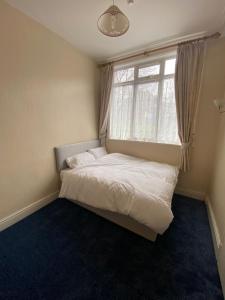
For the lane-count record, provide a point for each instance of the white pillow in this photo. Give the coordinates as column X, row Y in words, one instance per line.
column 80, row 159
column 98, row 152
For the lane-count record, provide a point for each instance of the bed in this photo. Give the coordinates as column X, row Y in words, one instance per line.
column 131, row 192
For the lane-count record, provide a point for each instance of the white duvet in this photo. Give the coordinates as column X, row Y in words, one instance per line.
column 127, row 185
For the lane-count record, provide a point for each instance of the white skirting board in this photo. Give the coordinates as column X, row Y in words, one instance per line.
column 218, row 242
column 213, row 225
column 190, row 193
column 26, row 211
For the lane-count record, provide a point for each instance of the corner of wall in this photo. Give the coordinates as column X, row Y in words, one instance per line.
column 198, row 195
column 26, row 211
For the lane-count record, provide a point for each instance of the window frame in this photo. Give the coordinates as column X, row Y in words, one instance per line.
column 145, row 80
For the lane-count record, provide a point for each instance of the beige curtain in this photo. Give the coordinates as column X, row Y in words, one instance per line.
column 190, row 57
column 106, row 77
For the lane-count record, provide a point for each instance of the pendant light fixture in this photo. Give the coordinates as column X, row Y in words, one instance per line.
column 113, row 22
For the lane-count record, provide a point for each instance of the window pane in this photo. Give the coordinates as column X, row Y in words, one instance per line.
column 167, row 131
column 170, row 66
column 124, row 75
column 121, row 112
column 145, row 122
column 148, row 71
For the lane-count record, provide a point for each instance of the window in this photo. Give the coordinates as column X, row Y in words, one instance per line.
column 143, row 103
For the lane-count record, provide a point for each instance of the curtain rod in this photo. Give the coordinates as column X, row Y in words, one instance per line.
column 145, row 53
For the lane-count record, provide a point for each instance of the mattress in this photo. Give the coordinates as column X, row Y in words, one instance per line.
column 127, row 185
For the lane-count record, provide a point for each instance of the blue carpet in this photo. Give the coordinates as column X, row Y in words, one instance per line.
column 66, row 252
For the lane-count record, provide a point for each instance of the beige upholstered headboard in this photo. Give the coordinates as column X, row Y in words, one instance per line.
column 62, row 152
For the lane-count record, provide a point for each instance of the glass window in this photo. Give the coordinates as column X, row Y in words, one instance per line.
column 170, row 65
column 121, row 112
column 124, row 75
column 143, row 103
column 149, row 71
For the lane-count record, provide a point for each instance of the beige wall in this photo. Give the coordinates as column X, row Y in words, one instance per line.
column 157, row 152
column 197, row 180
column 217, row 195
column 47, row 98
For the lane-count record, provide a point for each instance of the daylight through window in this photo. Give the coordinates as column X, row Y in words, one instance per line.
column 143, row 104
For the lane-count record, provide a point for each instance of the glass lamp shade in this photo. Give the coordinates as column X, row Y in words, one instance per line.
column 113, row 22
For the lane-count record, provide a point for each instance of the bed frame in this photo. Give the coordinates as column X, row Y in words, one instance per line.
column 61, row 153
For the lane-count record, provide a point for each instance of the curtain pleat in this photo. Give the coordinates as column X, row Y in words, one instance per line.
column 188, row 75
column 106, row 77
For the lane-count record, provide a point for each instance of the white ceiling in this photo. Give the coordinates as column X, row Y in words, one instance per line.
column 150, row 21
